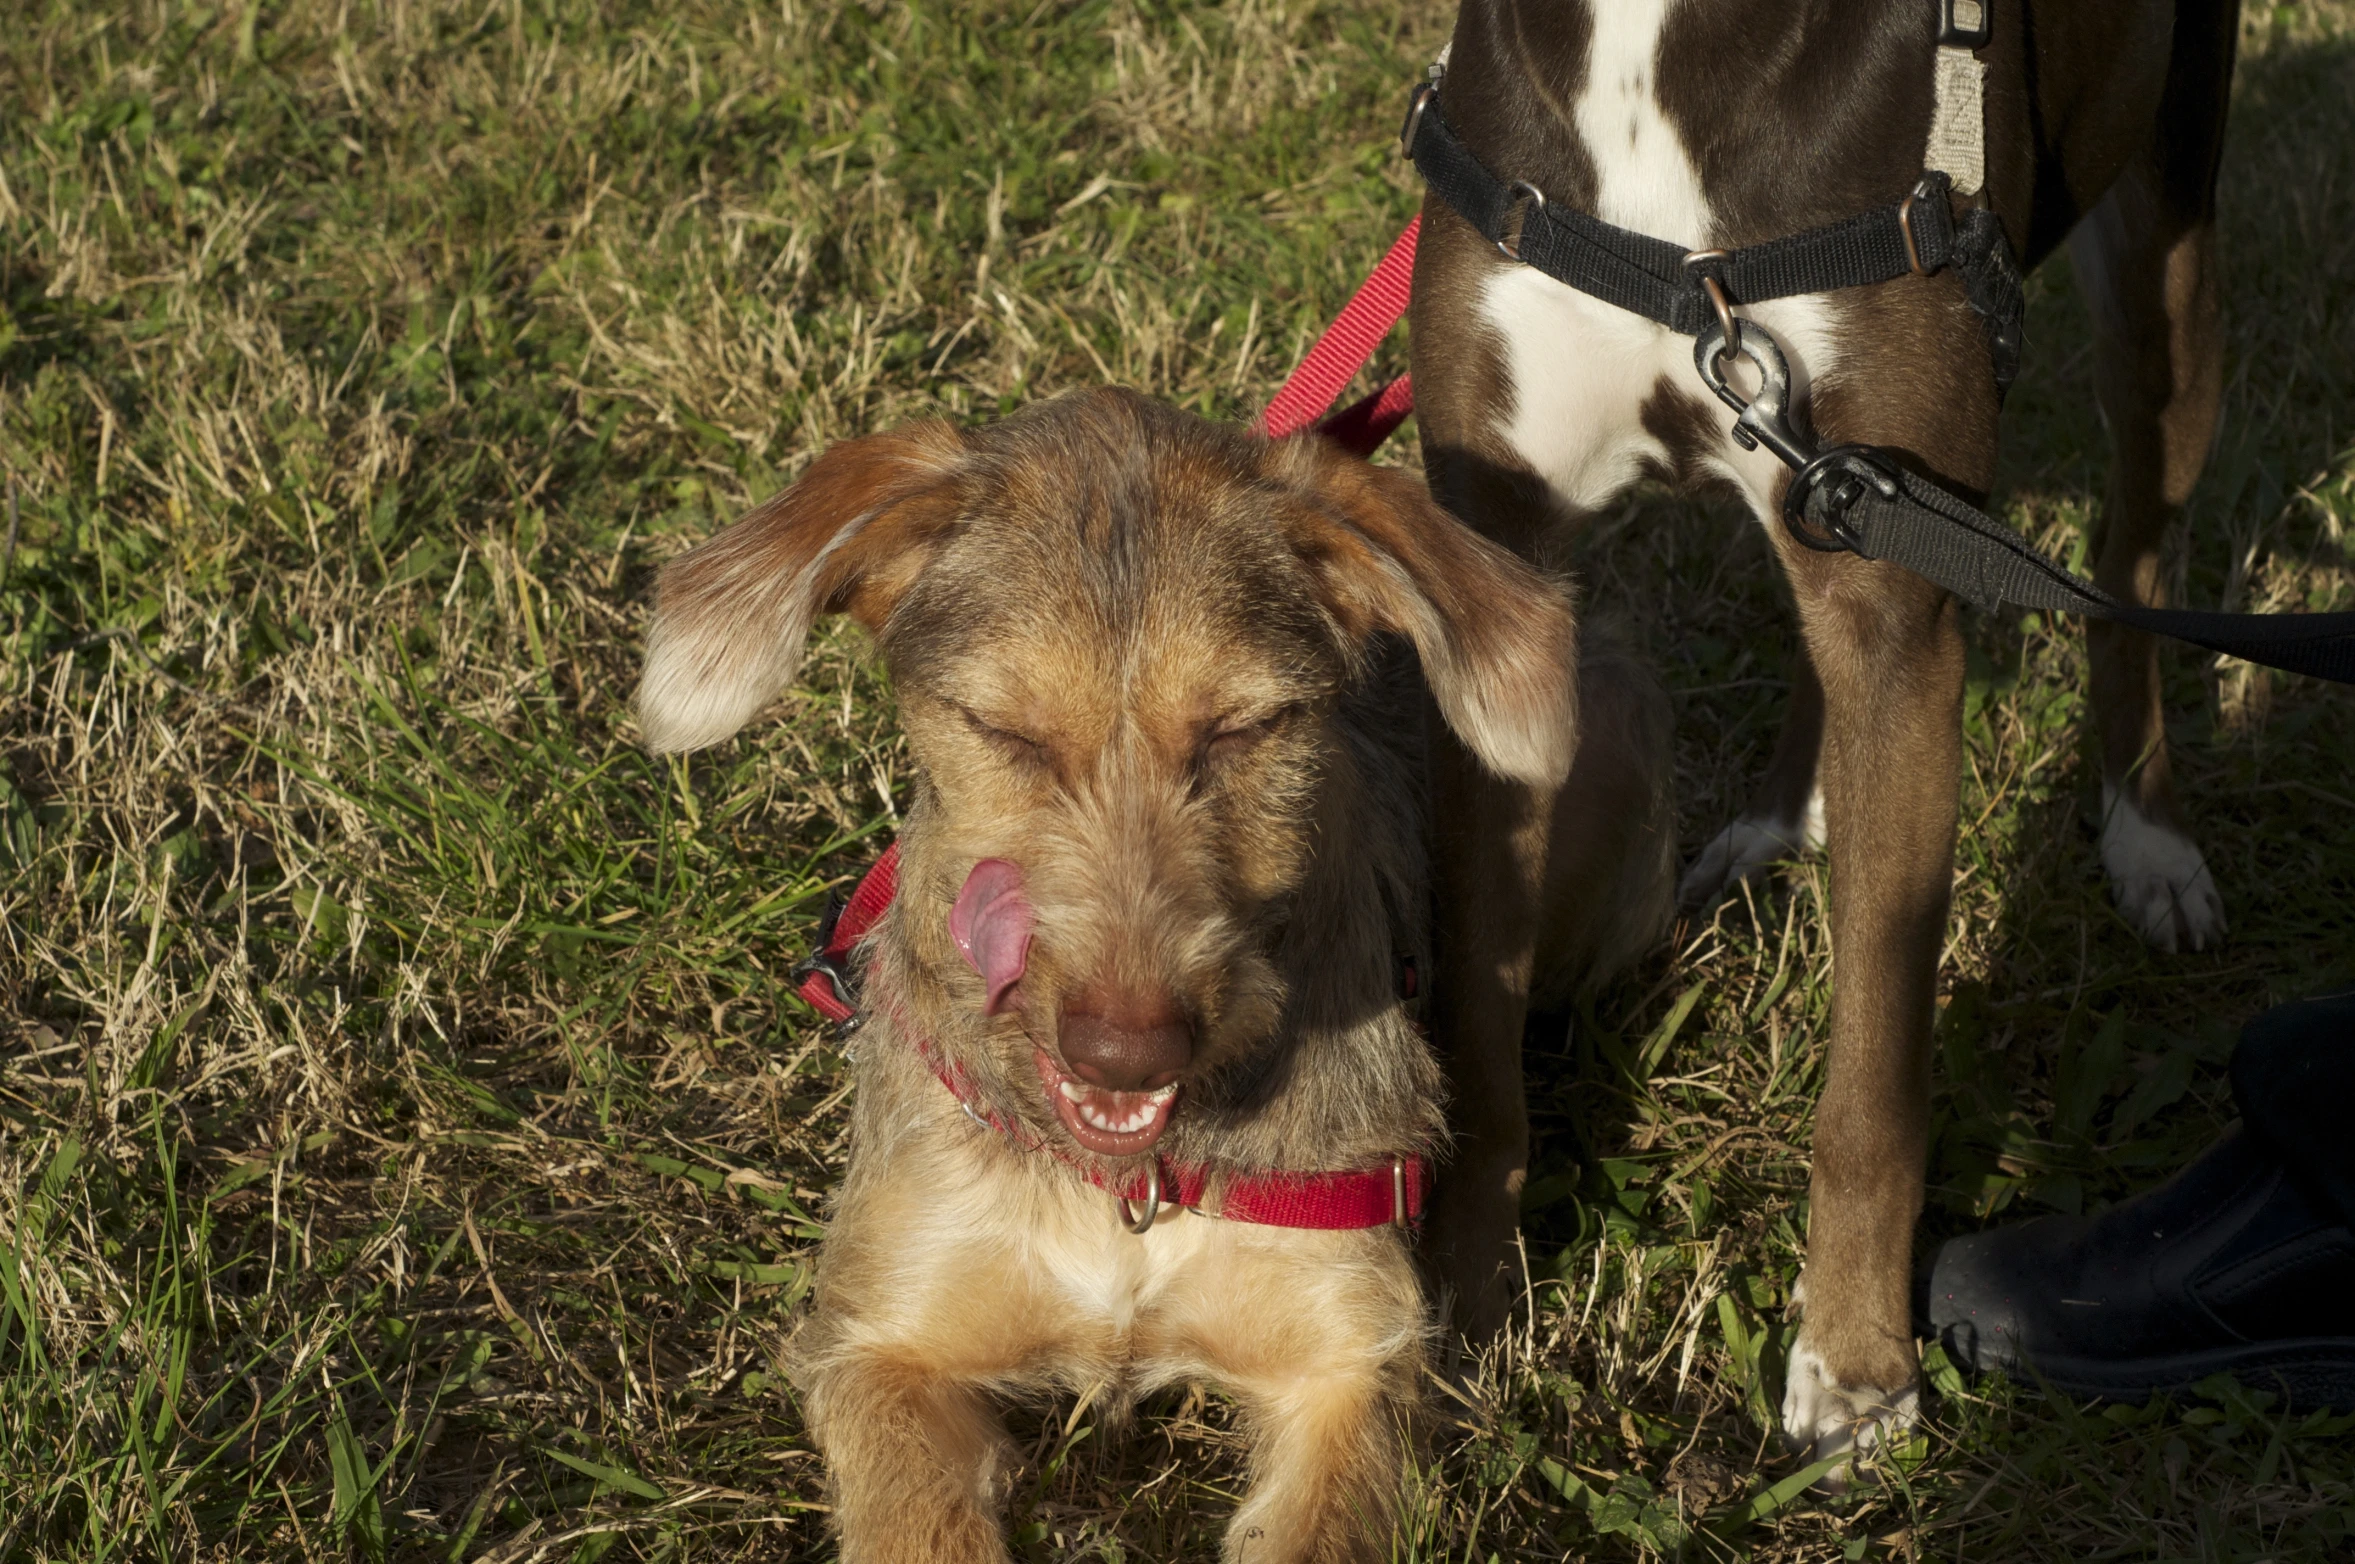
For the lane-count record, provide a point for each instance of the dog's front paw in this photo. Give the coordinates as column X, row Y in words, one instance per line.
column 1747, row 847
column 2161, row 882
column 1823, row 1418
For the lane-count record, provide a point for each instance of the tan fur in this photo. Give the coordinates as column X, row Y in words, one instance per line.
column 1170, row 670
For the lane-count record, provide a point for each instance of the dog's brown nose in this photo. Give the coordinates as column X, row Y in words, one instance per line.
column 1125, row 1044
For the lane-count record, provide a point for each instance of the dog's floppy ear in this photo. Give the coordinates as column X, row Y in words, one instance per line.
column 730, row 614
column 1498, row 640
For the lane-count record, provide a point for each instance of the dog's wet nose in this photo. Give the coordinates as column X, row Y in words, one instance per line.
column 1125, row 1046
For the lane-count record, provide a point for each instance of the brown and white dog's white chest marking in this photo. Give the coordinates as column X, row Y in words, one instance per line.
column 1579, row 370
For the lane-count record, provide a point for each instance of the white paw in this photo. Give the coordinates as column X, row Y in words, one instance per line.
column 1746, row 847
column 2159, row 878
column 1823, row 1418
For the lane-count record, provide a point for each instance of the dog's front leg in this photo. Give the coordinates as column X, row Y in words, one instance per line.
column 1328, row 1456
column 1888, row 649
column 1489, row 863
column 912, row 1453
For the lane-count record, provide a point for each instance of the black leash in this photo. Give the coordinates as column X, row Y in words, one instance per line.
column 1852, row 498
column 1857, row 499
column 1688, row 291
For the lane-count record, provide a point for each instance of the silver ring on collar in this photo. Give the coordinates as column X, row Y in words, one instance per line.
column 1128, row 1217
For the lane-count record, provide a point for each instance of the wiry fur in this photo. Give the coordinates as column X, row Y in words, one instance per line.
column 1170, row 671
column 756, row 587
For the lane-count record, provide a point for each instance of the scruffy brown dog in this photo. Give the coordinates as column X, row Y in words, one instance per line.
column 1162, row 870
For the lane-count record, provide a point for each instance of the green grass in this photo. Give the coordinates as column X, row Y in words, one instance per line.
column 408, row 1148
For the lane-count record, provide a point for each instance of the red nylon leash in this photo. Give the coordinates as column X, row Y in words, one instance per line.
column 1379, row 304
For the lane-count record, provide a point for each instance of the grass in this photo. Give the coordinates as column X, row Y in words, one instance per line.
column 408, row 1146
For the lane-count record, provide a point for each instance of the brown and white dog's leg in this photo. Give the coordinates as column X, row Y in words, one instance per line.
column 912, row 1455
column 1890, row 656
column 1487, row 872
column 1785, row 817
column 1887, row 648
column 2146, row 259
column 1489, row 835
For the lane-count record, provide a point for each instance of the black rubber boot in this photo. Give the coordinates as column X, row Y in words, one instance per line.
column 2243, row 1263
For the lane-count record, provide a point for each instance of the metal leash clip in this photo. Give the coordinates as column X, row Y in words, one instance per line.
column 1767, row 419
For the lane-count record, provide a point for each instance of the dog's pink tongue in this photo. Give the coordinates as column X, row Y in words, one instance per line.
column 991, row 925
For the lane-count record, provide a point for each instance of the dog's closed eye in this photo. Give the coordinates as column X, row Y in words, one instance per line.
column 1231, row 739
column 1006, row 740
column 1009, row 742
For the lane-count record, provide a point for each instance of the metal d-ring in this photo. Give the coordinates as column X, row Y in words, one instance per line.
column 1716, row 291
column 1536, row 205
column 1129, row 1218
column 1398, row 1213
column 1414, row 118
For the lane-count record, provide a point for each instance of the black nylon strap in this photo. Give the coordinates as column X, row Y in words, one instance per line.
column 1868, row 504
column 1650, row 276
column 1937, row 536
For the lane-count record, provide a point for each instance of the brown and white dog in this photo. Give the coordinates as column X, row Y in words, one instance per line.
column 1721, row 123
column 1165, row 849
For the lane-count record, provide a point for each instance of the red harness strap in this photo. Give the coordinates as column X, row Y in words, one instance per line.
column 1329, row 1202
column 1342, row 351
column 825, row 980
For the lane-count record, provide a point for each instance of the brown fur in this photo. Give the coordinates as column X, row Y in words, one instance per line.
column 1170, row 670
column 2108, row 112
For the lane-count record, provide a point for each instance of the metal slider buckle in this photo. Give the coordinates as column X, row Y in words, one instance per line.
column 1421, row 100
column 1398, row 1211
column 1925, row 188
column 1537, row 205
column 838, row 977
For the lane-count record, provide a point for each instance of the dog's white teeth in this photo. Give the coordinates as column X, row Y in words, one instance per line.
column 1117, row 1113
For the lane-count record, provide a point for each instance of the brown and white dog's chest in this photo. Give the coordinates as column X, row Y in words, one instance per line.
column 1593, row 397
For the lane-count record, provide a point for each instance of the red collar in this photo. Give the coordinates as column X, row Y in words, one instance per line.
column 1367, row 1197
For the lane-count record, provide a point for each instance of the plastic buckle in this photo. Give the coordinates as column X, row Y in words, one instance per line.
column 1965, row 24
column 1849, row 470
column 821, row 961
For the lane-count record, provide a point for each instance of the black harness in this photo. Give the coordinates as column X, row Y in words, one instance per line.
column 1690, row 290
column 1853, row 498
